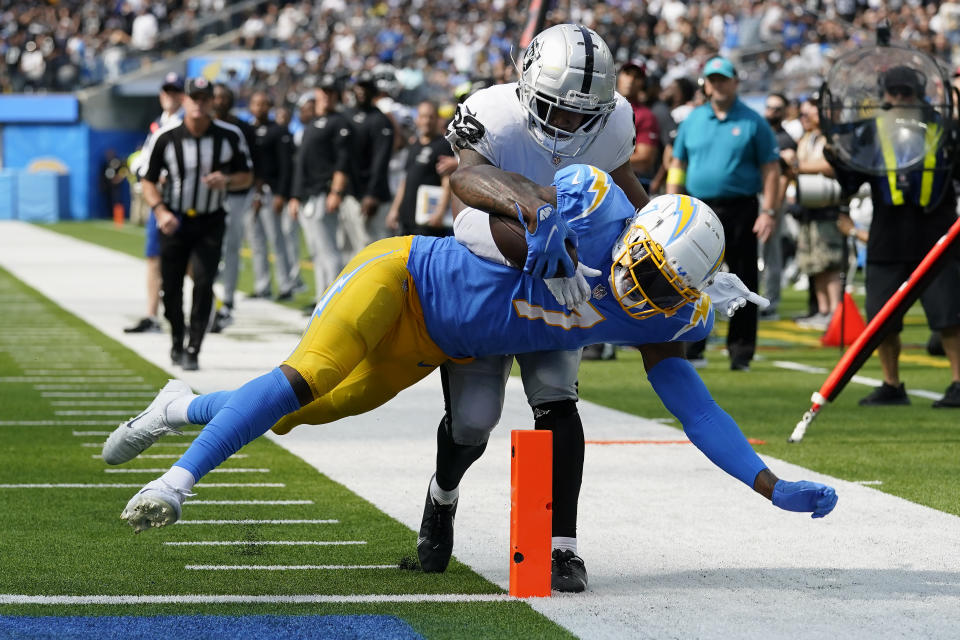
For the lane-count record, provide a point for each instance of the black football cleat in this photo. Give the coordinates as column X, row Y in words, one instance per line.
column 885, row 395
column 435, row 543
column 144, row 325
column 567, row 572
column 189, row 360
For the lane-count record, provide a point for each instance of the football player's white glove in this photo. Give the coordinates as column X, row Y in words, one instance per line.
column 574, row 291
column 728, row 293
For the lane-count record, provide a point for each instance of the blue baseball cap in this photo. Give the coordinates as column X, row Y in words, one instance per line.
column 173, row 81
column 719, row 66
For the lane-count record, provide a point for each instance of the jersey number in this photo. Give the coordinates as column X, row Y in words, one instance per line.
column 583, row 318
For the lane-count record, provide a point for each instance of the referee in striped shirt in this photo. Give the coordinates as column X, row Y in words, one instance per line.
column 201, row 158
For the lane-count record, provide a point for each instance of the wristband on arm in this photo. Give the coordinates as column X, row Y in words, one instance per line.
column 676, row 177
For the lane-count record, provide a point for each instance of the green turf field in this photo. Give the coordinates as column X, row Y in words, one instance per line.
column 69, row 540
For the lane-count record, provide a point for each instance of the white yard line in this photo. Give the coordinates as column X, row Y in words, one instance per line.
column 265, row 543
column 91, row 412
column 221, row 470
column 106, row 485
column 286, row 567
column 858, row 379
column 258, row 522
column 54, row 423
column 97, row 394
column 107, row 433
column 282, row 503
column 453, row 598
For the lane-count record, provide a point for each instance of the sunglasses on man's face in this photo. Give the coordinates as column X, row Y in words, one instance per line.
column 903, row 92
column 774, row 107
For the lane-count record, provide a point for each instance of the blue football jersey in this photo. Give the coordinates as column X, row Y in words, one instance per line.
column 474, row 307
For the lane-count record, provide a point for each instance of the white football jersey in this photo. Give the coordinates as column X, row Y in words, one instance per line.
column 493, row 123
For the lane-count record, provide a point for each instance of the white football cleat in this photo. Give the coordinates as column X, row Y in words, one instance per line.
column 135, row 435
column 156, row 505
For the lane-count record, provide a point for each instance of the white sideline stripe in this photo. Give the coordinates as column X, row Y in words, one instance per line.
column 233, row 470
column 106, row 433
column 156, row 444
column 106, row 485
column 273, row 543
column 52, row 375
column 72, row 379
column 286, row 567
column 91, row 412
column 868, row 483
column 54, row 423
column 97, row 394
column 273, row 502
column 154, row 456
column 864, row 380
column 116, row 402
column 258, row 522
column 291, row 599
column 86, row 387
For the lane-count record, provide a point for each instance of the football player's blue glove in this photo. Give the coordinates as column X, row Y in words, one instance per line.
column 805, row 496
column 546, row 248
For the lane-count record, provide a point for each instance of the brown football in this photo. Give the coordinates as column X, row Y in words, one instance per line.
column 511, row 239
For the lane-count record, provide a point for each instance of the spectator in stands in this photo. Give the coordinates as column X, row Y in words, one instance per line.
column 630, row 83
column 267, row 231
column 820, row 243
column 772, row 250
column 415, row 198
column 725, row 153
column 321, row 178
column 237, row 205
column 371, row 148
column 190, row 210
column 171, row 101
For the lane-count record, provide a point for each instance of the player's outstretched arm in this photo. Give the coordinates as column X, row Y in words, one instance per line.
column 713, row 431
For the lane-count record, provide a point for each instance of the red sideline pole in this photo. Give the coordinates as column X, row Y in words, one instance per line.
column 876, row 330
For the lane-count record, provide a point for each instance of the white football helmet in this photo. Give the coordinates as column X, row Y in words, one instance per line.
column 567, row 67
column 668, row 252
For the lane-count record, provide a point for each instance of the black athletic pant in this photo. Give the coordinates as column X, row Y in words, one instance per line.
column 196, row 243
column 738, row 215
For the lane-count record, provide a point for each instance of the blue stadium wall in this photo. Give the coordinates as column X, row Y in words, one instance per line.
column 44, row 137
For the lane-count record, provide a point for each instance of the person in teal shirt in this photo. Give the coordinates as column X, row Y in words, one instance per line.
column 725, row 154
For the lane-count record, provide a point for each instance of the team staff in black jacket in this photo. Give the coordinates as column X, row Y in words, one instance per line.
column 203, row 159
column 370, row 152
column 237, row 204
column 272, row 176
column 320, row 182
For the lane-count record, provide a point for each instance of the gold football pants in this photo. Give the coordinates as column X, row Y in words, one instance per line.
column 367, row 339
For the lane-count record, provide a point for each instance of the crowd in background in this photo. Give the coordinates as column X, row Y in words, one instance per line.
column 436, row 46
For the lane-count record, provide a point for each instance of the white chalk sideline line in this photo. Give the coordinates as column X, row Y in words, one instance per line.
column 97, row 394
column 244, row 599
column 156, row 444
column 106, row 433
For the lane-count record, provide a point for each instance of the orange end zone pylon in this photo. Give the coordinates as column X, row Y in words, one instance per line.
column 118, row 215
column 531, row 512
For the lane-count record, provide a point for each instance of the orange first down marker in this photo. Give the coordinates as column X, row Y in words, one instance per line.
column 531, row 512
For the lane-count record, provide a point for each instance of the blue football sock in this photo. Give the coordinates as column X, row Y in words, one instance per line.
column 203, row 408
column 247, row 414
